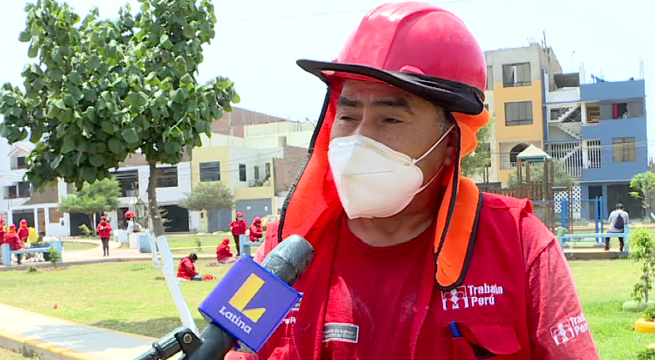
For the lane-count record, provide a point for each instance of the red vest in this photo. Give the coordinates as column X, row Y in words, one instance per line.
column 489, row 306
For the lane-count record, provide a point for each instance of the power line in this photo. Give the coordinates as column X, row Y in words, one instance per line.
column 327, row 13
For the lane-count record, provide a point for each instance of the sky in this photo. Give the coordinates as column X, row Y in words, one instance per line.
column 258, row 41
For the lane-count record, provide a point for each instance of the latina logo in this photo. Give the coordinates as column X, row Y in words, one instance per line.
column 240, row 301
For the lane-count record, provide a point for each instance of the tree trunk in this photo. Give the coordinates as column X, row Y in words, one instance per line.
column 153, row 207
column 92, row 227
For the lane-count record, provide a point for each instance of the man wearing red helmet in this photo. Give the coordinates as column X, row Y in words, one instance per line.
column 412, row 261
column 238, row 227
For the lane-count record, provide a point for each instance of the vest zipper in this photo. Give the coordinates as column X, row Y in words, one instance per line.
column 423, row 301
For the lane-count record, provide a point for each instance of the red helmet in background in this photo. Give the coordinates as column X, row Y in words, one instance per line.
column 239, row 214
column 419, row 48
column 129, row 215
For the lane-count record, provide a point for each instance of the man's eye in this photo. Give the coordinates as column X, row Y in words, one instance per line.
column 346, row 118
column 392, row 120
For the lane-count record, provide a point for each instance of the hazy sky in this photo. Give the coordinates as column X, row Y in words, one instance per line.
column 258, row 41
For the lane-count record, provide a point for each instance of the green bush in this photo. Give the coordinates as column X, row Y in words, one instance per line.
column 649, row 313
column 55, row 256
column 642, row 251
column 648, row 354
column 85, row 229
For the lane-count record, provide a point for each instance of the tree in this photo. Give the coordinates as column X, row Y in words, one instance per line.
column 103, row 89
column 209, row 195
column 562, row 176
column 475, row 162
column 642, row 250
column 99, row 196
column 644, row 185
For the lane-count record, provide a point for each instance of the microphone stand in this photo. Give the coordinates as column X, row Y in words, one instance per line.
column 180, row 339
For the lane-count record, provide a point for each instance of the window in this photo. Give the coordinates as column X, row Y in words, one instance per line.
column 210, row 171
column 242, row 172
column 256, row 172
column 268, row 170
column 625, row 149
column 594, row 154
column 23, row 189
column 490, row 78
column 167, row 177
column 128, row 181
column 516, row 75
column 20, row 162
column 620, row 111
column 54, row 214
column 518, row 113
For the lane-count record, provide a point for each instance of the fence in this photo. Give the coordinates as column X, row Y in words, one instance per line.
column 575, row 215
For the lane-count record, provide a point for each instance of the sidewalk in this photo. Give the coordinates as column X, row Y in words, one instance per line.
column 56, row 339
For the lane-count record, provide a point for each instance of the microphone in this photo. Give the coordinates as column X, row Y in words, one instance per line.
column 248, row 304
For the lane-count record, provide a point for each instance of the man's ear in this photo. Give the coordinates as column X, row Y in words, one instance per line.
column 451, row 148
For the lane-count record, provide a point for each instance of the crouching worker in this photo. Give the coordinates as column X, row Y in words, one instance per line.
column 187, row 270
column 223, row 253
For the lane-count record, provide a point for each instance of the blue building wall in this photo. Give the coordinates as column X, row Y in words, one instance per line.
column 607, row 130
column 613, row 178
column 613, row 90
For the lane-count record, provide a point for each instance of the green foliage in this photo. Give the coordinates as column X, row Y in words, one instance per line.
column 85, row 229
column 198, row 242
column 99, row 196
column 102, row 89
column 475, row 162
column 562, row 177
column 209, row 195
column 643, row 184
column 648, row 354
column 642, row 251
column 649, row 313
column 55, row 256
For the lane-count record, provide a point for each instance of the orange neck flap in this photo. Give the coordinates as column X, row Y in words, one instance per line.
column 313, row 203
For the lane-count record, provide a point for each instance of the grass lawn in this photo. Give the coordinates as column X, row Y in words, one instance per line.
column 133, row 297
column 189, row 241
column 69, row 245
column 10, row 355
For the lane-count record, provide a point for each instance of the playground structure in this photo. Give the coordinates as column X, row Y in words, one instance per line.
column 558, row 207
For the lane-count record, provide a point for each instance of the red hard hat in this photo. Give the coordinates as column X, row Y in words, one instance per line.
column 239, row 214
column 419, row 48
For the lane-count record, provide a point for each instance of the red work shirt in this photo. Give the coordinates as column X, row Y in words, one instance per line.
column 187, row 270
column 104, row 230
column 239, row 227
column 23, row 233
column 14, row 241
column 256, row 232
column 365, row 284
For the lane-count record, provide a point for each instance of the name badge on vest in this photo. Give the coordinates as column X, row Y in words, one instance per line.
column 341, row 332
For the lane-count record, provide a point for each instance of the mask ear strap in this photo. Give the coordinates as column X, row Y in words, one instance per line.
column 435, row 144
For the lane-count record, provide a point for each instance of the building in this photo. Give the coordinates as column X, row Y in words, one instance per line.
column 258, row 162
column 514, row 94
column 40, row 209
column 599, row 130
column 258, row 167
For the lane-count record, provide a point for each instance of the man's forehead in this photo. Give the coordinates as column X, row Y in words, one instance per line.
column 353, row 87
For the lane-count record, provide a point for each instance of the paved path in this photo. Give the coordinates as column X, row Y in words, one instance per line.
column 53, row 338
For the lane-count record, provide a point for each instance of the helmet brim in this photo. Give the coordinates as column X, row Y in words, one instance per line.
column 452, row 96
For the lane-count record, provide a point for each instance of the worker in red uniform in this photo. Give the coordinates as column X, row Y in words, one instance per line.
column 238, row 227
column 223, row 251
column 256, row 231
column 104, row 230
column 23, row 231
column 14, row 241
column 412, row 260
column 187, row 269
column 2, row 231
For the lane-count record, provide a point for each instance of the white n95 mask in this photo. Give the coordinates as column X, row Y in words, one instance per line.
column 373, row 180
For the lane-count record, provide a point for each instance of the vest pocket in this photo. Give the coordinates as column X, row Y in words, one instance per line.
column 486, row 339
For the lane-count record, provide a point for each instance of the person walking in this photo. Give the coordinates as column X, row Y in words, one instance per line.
column 238, row 227
column 104, row 230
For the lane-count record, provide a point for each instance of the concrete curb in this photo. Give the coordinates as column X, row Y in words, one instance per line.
column 44, row 351
column 45, row 264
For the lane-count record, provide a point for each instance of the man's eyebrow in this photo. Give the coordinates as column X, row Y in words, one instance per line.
column 399, row 102
column 344, row 101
